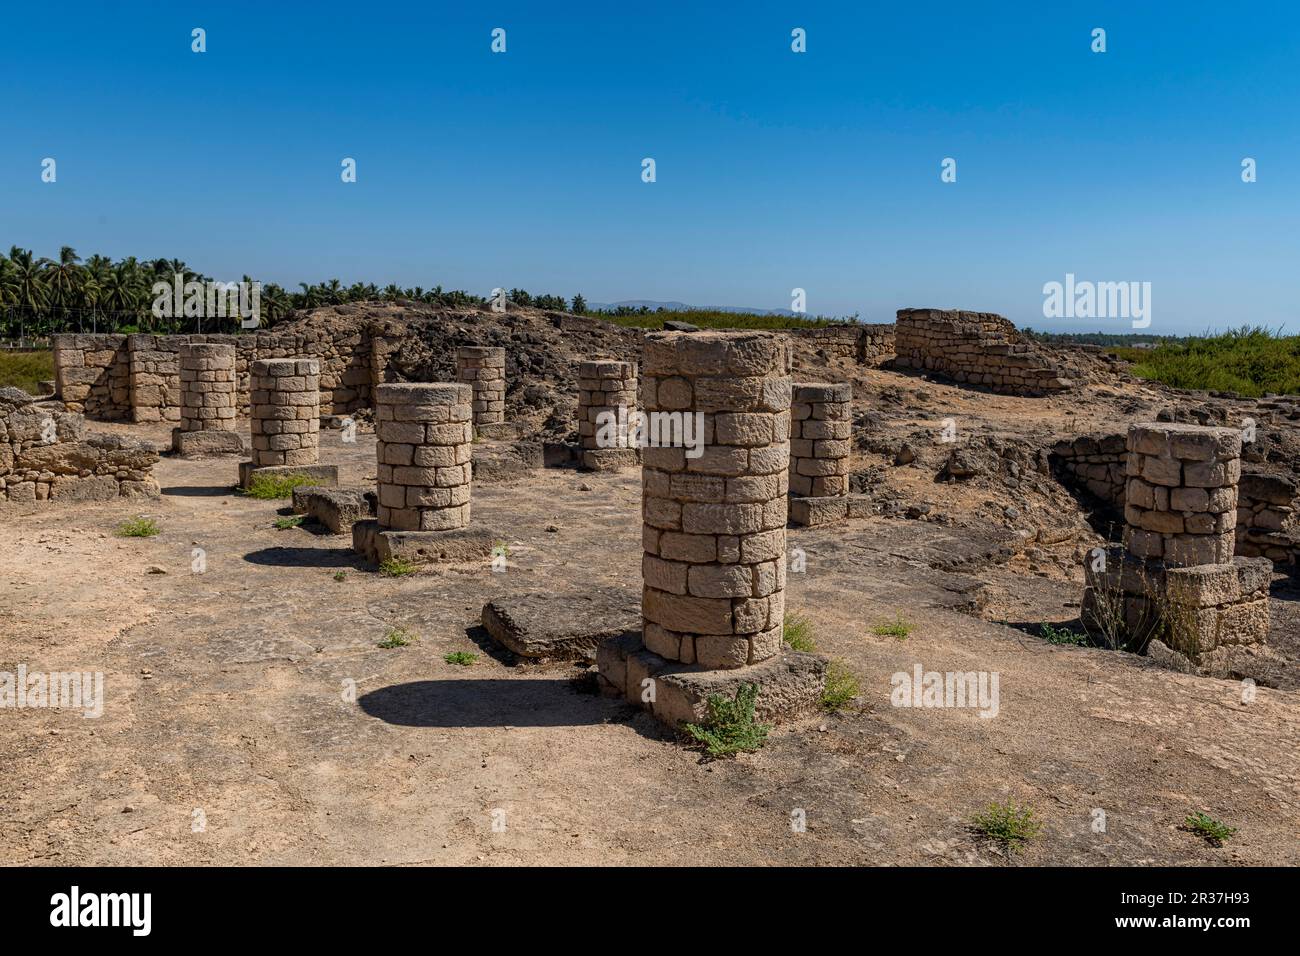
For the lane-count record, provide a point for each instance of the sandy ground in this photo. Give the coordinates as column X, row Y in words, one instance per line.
column 228, row 735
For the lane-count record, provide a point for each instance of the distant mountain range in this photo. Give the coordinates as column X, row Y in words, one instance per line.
column 683, row 307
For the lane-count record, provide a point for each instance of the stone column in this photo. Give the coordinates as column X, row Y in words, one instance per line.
column 1181, row 495
column 284, row 408
column 821, row 429
column 607, row 388
column 714, row 515
column 484, row 369
column 207, row 375
column 425, row 440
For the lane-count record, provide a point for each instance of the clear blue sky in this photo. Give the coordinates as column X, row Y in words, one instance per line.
column 775, row 170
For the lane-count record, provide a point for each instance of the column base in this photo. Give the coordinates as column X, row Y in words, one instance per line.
column 609, row 459
column 421, row 547
column 790, row 684
column 337, row 509
column 206, row 444
column 324, row 475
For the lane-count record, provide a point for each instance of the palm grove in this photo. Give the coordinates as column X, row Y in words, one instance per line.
column 39, row 297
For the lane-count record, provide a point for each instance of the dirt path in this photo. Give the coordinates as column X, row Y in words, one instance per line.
column 226, row 706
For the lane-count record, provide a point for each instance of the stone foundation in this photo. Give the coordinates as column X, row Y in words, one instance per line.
column 380, row 544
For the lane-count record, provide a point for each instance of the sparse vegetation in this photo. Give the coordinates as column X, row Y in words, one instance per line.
column 138, row 528
column 396, row 568
column 292, row 521
column 397, row 637
column 730, row 728
column 25, row 369
column 841, row 686
column 1202, row 824
column 1011, row 825
column 1250, row 361
column 463, row 658
column 1062, row 635
column 645, row 318
column 270, row 487
column 898, row 628
column 796, row 630
column 340, row 576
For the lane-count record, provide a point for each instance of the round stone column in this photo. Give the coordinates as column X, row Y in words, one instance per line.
column 714, row 504
column 425, row 439
column 207, row 387
column 484, row 369
column 1180, row 502
column 284, row 411
column 821, row 427
column 608, row 389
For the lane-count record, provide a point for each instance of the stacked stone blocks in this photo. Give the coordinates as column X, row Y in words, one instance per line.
column 607, row 415
column 821, row 429
column 425, row 440
column 208, row 397
column 484, row 369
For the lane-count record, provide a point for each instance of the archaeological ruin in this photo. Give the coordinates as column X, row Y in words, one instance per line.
column 208, row 401
column 284, row 421
column 607, row 415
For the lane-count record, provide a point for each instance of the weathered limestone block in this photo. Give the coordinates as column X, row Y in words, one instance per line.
column 565, row 626
column 284, row 407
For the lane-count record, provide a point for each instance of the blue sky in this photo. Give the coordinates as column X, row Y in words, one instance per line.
column 775, row 170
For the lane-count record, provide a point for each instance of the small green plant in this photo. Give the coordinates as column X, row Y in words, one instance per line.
column 267, row 487
column 1202, row 824
column 896, row 628
column 396, row 568
column 1008, row 823
column 463, row 658
column 397, row 637
column 1062, row 635
column 796, row 630
column 729, row 728
column 340, row 576
column 290, row 522
column 841, row 686
column 138, row 528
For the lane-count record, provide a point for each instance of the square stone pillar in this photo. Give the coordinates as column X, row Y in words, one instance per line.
column 821, row 432
column 607, row 415
column 484, row 370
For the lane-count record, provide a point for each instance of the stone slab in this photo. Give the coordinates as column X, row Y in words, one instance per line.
column 810, row 512
column 323, row 475
column 610, row 459
column 506, row 462
column 336, row 509
column 421, row 547
column 500, row 431
column 206, row 444
column 567, row 626
column 790, row 684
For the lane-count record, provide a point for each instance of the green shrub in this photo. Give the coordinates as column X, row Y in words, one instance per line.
column 267, row 487
column 290, row 522
column 340, row 576
column 463, row 658
column 896, row 628
column 1249, row 361
column 1012, row 825
column 397, row 637
column 396, row 568
column 796, row 630
column 729, row 727
column 25, row 369
column 138, row 528
column 841, row 686
column 1061, row 635
column 1202, row 824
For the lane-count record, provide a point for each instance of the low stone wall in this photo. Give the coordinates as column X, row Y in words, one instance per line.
column 45, row 454
column 864, row 344
column 976, row 348
column 137, row 377
column 1094, row 463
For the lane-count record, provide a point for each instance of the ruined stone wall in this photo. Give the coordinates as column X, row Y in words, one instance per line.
column 864, row 344
column 92, row 373
column 1095, row 463
column 1267, row 518
column 45, row 454
column 137, row 377
column 976, row 348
